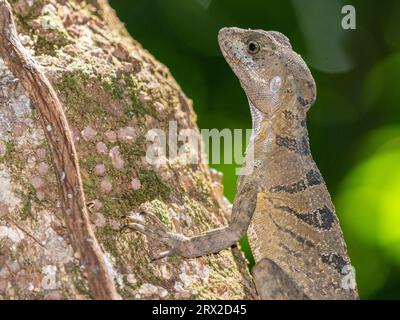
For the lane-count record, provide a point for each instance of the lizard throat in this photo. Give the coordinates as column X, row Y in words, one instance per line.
column 257, row 118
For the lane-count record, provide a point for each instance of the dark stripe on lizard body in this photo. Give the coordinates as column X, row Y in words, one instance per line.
column 322, row 218
column 293, row 117
column 298, row 146
column 312, row 178
column 291, row 188
column 335, row 261
column 295, row 236
column 288, row 250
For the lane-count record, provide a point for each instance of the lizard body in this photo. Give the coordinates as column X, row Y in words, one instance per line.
column 284, row 204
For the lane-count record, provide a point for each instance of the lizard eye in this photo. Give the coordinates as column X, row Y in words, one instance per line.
column 253, row 47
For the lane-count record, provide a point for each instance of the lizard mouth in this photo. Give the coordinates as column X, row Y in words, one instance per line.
column 233, row 60
column 226, row 52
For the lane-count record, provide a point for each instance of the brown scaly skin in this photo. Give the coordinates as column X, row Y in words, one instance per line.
column 283, row 201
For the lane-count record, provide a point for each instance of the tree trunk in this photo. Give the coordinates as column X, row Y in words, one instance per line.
column 77, row 97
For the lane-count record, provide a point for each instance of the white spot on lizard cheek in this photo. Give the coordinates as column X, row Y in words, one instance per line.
column 275, row 84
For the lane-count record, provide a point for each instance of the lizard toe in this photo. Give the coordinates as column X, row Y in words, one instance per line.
column 161, row 255
column 147, row 230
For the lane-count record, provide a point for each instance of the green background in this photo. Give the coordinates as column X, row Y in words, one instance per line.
column 354, row 125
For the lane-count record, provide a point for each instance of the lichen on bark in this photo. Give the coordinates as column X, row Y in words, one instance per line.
column 113, row 91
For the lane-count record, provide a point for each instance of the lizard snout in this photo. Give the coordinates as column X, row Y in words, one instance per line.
column 227, row 39
column 228, row 32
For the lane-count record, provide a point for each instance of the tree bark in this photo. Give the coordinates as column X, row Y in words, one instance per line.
column 77, row 97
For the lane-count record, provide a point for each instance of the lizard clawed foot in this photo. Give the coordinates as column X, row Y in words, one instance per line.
column 151, row 226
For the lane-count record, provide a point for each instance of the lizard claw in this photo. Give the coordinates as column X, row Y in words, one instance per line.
column 155, row 229
column 162, row 255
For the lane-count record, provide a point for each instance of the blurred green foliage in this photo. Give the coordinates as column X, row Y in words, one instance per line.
column 354, row 125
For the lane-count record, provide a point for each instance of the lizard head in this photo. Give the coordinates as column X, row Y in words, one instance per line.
column 270, row 72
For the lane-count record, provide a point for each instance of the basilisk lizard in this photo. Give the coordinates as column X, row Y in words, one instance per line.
column 283, row 203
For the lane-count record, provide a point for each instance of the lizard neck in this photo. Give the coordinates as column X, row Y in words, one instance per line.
column 286, row 126
column 257, row 118
column 284, row 122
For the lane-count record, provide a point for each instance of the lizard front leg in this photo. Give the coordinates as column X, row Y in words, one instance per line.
column 208, row 242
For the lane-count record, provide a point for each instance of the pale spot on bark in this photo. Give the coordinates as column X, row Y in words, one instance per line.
column 49, row 281
column 128, row 67
column 131, row 279
column 186, row 280
column 57, row 249
column 150, row 121
column 88, row 134
column 116, row 159
column 105, row 186
column 7, row 195
column 2, row 149
column 120, row 52
column 101, row 148
column 49, row 9
column 43, row 168
column 164, row 272
column 165, row 175
column 162, row 292
column 181, row 292
column 40, row 195
column 41, row 153
column 100, row 170
column 111, row 136
column 147, row 290
column 159, row 106
column 99, row 220
column 18, row 130
column 143, row 97
column 4, row 210
column 200, row 271
column 115, row 225
column 136, row 184
column 14, row 235
column 127, row 134
column 179, row 114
